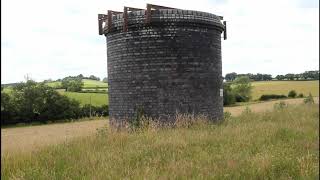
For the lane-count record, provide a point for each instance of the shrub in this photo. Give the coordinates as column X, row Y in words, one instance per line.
column 227, row 115
column 309, row 99
column 137, row 121
column 300, row 95
column 242, row 88
column 36, row 102
column 240, row 98
column 72, row 84
column 292, row 94
column 228, row 96
column 238, row 91
column 265, row 97
column 8, row 110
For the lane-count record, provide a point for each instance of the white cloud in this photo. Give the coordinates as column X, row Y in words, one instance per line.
column 53, row 39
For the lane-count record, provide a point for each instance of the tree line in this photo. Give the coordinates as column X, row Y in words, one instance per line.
column 80, row 76
column 74, row 83
column 307, row 75
column 36, row 102
column 256, row 77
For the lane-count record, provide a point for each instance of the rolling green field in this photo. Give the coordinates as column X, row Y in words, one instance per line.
column 97, row 99
column 283, row 87
column 87, row 83
column 279, row 144
column 259, row 88
column 54, row 84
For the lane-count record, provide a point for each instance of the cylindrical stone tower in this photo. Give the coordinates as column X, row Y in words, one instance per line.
column 163, row 61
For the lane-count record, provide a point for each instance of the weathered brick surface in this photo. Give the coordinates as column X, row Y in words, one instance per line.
column 171, row 65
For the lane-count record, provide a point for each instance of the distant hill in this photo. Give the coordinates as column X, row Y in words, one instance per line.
column 9, row 84
column 87, row 84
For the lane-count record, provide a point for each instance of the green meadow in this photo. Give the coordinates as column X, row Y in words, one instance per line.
column 97, row 99
column 87, row 83
column 283, row 87
column 279, row 144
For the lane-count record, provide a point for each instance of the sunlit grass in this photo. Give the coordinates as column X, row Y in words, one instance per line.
column 93, row 83
column 282, row 144
column 283, row 87
column 87, row 83
column 97, row 99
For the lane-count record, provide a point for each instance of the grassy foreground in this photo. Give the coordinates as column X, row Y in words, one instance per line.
column 282, row 144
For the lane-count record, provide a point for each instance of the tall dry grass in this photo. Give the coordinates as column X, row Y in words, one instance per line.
column 279, row 144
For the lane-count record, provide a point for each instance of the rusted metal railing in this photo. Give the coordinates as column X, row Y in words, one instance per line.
column 107, row 18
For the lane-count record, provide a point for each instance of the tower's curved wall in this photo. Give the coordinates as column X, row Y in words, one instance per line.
column 173, row 64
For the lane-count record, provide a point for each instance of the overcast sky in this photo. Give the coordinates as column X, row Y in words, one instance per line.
column 58, row 38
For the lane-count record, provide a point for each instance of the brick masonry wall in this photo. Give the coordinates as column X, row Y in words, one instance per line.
column 171, row 65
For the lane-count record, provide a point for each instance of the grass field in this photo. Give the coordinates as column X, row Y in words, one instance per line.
column 97, row 99
column 54, row 84
column 87, row 83
column 283, row 87
column 25, row 138
column 259, row 88
column 263, row 87
column 32, row 138
column 264, row 106
column 282, row 144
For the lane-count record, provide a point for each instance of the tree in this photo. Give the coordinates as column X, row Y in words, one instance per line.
column 267, row 77
column 228, row 95
column 289, row 76
column 65, row 83
column 72, row 84
column 105, row 80
column 280, row 77
column 313, row 74
column 242, row 88
column 305, row 75
column 231, row 76
column 292, row 94
column 75, row 85
column 297, row 76
column 33, row 101
column 258, row 77
column 80, row 76
column 7, row 108
column 94, row 77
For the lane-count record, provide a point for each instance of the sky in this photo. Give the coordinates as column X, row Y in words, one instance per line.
column 57, row 38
